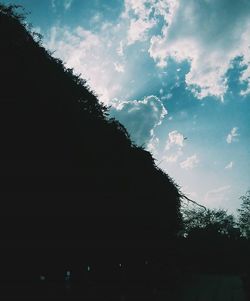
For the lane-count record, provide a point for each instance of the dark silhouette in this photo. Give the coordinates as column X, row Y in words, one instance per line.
column 205, row 222
column 84, row 211
column 75, row 191
column 214, row 247
column 244, row 215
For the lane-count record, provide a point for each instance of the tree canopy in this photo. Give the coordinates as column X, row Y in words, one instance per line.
column 244, row 215
column 209, row 222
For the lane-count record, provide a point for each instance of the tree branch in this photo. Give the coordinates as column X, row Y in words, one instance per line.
column 189, row 200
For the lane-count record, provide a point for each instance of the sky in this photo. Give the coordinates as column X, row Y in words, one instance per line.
column 176, row 73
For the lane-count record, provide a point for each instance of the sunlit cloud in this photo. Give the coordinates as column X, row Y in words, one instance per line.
column 119, row 67
column 190, row 162
column 175, row 138
column 138, row 29
column 153, row 145
column 174, row 157
column 232, row 136
column 140, row 117
column 229, row 165
column 194, row 34
column 217, row 197
column 186, row 31
column 91, row 55
column 173, row 148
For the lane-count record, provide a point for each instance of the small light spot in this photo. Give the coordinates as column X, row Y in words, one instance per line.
column 68, row 273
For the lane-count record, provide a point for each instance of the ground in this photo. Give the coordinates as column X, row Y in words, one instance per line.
column 200, row 287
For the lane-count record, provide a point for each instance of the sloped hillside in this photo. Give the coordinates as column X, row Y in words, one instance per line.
column 63, row 159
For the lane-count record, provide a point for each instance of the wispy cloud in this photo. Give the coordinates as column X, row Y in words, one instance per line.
column 186, row 31
column 140, row 117
column 229, row 165
column 217, row 197
column 175, row 138
column 173, row 147
column 190, row 162
column 174, row 157
column 92, row 55
column 143, row 15
column 138, row 15
column 153, row 145
column 232, row 136
column 53, row 4
column 188, row 36
column 119, row 67
column 67, row 4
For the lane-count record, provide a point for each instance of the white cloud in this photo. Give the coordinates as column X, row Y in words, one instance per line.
column 174, row 138
column 67, row 4
column 120, row 50
column 190, row 162
column 209, row 34
column 229, row 165
column 119, row 67
column 153, row 145
column 138, row 29
column 137, row 13
column 143, row 15
column 139, row 9
column 217, row 197
column 231, row 137
column 191, row 194
column 91, row 55
column 173, row 147
column 140, row 117
column 174, row 157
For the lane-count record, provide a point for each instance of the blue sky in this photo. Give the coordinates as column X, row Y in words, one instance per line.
column 176, row 73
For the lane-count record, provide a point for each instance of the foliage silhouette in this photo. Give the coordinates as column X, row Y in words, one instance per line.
column 212, row 242
column 244, row 215
column 76, row 192
column 69, row 173
column 49, row 114
column 209, row 222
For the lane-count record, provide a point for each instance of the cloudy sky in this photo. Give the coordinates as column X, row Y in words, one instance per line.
column 176, row 73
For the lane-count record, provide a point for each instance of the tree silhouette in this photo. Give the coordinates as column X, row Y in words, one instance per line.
column 244, row 215
column 208, row 222
column 68, row 170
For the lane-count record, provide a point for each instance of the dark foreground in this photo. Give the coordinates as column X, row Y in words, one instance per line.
column 188, row 272
column 202, row 287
